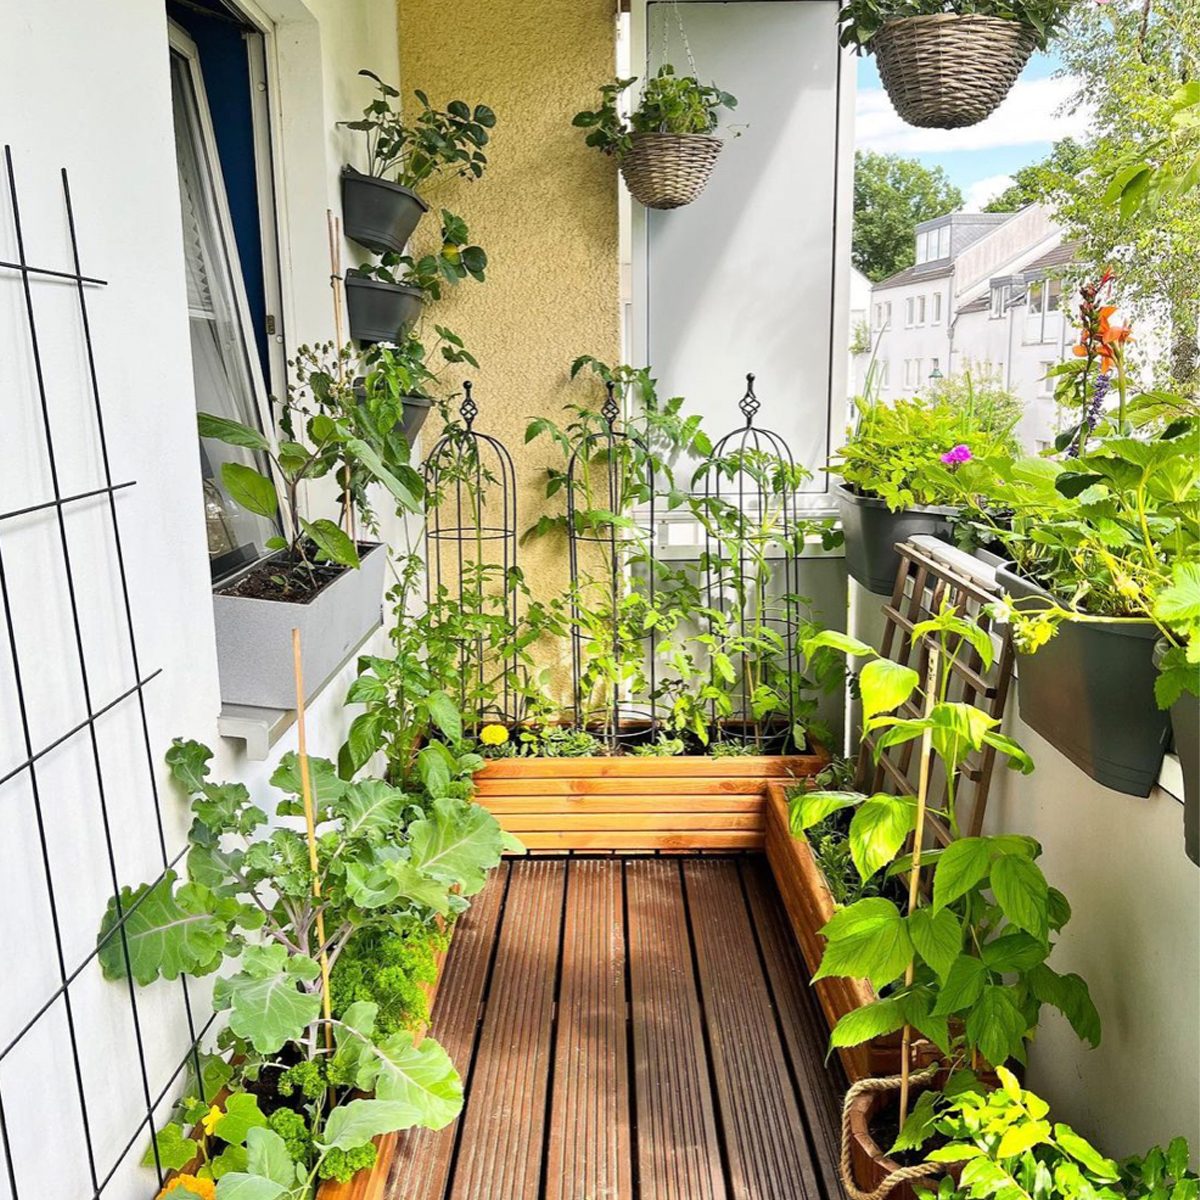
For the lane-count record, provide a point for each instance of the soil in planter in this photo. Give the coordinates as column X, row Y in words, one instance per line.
column 292, row 583
column 885, row 1129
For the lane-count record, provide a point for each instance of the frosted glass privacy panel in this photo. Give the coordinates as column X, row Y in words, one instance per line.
column 751, row 277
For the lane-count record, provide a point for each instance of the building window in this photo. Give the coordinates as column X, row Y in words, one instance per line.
column 944, row 242
column 922, row 247
column 910, row 308
column 882, row 369
column 1048, row 380
column 887, row 314
column 1045, row 299
column 999, row 300
column 920, row 310
column 935, row 365
column 936, row 301
column 226, row 364
column 912, row 372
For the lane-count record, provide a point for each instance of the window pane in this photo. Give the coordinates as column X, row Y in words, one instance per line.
column 221, row 346
column 1053, row 294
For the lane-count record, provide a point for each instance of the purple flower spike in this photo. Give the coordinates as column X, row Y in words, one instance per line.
column 956, row 457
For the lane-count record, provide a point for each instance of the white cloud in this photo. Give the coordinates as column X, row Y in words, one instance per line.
column 1028, row 114
column 983, row 190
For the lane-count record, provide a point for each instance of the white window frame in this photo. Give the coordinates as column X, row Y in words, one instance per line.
column 887, row 315
column 181, row 43
column 1048, row 381
column 910, row 308
column 936, row 316
column 921, row 309
column 998, row 301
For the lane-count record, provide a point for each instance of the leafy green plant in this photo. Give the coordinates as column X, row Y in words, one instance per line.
column 922, row 451
column 548, row 741
column 1009, row 1148
column 669, row 103
column 861, row 20
column 255, row 901
column 437, row 140
column 456, row 259
column 392, row 372
column 967, row 969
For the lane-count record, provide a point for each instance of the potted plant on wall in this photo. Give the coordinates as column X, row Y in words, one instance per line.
column 666, row 148
column 384, row 300
column 946, row 66
column 381, row 209
column 904, row 469
column 318, row 578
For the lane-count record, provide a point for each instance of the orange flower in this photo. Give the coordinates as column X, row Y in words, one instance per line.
column 204, row 1188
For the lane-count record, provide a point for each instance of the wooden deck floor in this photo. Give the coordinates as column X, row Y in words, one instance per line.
column 629, row 1029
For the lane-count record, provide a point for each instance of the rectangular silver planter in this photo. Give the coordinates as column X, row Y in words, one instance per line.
column 254, row 637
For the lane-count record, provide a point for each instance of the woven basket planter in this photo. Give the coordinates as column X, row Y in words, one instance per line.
column 947, row 71
column 669, row 170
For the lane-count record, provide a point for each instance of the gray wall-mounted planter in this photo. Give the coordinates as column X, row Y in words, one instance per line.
column 379, row 311
column 872, row 531
column 377, row 213
column 1090, row 693
column 1185, row 727
column 416, row 409
column 254, row 637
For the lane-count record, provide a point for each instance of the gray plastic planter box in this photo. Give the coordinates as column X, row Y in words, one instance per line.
column 872, row 531
column 254, row 637
column 1089, row 692
column 1185, row 724
column 377, row 213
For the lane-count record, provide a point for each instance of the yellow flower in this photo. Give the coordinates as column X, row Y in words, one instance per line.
column 210, row 1119
column 204, row 1188
column 493, row 735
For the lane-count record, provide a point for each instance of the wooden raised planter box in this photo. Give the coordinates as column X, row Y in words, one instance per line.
column 638, row 803
column 810, row 905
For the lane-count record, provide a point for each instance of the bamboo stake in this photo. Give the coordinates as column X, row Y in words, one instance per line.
column 914, row 875
column 311, row 827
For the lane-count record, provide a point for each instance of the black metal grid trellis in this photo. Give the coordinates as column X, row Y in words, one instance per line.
column 471, row 555
column 750, row 501
column 617, row 457
column 100, row 1172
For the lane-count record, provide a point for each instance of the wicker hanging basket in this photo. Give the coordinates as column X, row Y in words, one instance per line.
column 947, row 71
column 669, row 170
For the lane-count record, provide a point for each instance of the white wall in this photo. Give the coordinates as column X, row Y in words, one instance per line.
column 86, row 86
column 924, row 341
column 1134, row 935
column 753, row 276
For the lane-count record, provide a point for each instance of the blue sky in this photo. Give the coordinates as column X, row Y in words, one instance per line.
column 978, row 160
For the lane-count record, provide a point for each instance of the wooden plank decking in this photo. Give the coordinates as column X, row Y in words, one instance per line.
column 634, row 1028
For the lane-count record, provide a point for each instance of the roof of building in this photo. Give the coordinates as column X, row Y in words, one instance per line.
column 937, row 269
column 977, row 305
column 964, row 218
column 1060, row 256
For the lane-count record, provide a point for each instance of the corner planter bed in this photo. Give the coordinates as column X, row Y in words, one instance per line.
column 630, row 802
column 254, row 635
column 810, row 906
column 872, row 531
column 1090, row 693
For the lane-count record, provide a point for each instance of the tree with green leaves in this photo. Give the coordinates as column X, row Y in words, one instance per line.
column 1042, row 181
column 1131, row 60
column 892, row 195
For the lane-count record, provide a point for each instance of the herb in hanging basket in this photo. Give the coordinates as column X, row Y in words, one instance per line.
column 947, row 66
column 665, row 147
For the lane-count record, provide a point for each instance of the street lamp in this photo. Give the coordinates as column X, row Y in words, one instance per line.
column 934, row 375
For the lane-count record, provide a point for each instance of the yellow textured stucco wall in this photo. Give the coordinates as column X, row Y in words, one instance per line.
column 545, row 212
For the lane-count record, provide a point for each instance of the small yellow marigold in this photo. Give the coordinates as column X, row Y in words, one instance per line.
column 493, row 735
column 204, row 1188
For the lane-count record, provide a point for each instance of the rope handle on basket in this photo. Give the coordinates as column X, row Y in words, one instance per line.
column 904, row 1174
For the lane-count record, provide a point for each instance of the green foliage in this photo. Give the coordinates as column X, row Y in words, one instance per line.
column 895, row 450
column 455, row 259
column 390, row 966
column 437, row 141
column 861, row 20
column 342, row 1165
column 1041, row 182
column 1009, row 1147
column 669, row 103
column 892, row 195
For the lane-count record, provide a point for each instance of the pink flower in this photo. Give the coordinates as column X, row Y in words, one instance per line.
column 960, row 454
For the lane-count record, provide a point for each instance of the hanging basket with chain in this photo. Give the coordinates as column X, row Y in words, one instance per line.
column 948, row 70
column 669, row 170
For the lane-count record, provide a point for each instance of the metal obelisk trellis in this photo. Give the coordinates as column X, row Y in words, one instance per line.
column 25, row 776
column 751, row 531
column 611, row 470
column 471, row 556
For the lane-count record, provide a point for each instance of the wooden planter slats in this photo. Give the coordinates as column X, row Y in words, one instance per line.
column 637, row 803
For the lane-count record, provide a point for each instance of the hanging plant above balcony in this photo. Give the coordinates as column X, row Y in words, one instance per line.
column 947, row 65
column 666, row 147
column 381, row 209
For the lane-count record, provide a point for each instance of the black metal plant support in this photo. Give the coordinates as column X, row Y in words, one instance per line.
column 25, row 776
column 749, row 478
column 471, row 555
column 616, row 463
